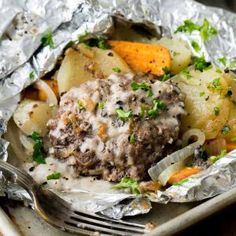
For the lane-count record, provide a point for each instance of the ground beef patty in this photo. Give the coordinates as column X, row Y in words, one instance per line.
column 116, row 127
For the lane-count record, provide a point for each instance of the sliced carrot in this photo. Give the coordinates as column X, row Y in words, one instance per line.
column 184, row 173
column 230, row 146
column 142, row 57
column 53, row 85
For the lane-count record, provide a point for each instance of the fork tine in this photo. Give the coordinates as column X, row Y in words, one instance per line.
column 74, row 229
column 108, row 223
column 102, row 229
column 100, row 217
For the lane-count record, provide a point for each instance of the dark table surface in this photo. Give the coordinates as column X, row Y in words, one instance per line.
column 221, row 224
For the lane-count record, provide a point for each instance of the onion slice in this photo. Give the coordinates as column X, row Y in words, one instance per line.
column 155, row 172
column 51, row 97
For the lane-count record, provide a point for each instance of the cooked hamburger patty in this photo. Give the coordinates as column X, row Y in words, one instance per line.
column 116, row 127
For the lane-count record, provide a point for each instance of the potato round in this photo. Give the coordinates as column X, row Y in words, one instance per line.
column 207, row 107
column 32, row 116
column 180, row 53
column 85, row 64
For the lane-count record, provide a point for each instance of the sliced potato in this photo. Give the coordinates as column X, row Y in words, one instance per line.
column 232, row 115
column 180, row 53
column 84, row 64
column 32, row 116
column 205, row 102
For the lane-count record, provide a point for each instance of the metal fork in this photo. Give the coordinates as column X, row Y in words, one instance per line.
column 59, row 213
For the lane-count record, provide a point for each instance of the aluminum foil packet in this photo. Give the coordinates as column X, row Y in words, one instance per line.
column 22, row 25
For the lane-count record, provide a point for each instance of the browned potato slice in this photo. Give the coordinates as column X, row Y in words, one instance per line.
column 32, row 116
column 205, row 102
column 85, row 64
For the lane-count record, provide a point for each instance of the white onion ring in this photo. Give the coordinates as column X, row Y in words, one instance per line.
column 169, row 171
column 178, row 156
column 27, row 143
column 51, row 97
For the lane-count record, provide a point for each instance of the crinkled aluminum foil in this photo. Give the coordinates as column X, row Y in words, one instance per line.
column 22, row 24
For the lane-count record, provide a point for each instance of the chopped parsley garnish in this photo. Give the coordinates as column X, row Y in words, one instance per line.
column 222, row 60
column 144, row 86
column 216, row 111
column 196, row 46
column 99, row 42
column 101, row 105
column 215, row 85
column 179, row 183
column 132, row 138
column 225, row 129
column 47, row 40
column 167, row 74
column 175, row 53
column 54, row 175
column 218, row 70
column 200, row 63
column 123, row 115
column 38, row 155
column 80, row 105
column 206, row 30
column 116, row 69
column 128, row 183
column 186, row 73
column 188, row 26
column 32, row 75
column 213, row 159
column 202, row 94
column 157, row 106
column 83, row 37
column 233, row 139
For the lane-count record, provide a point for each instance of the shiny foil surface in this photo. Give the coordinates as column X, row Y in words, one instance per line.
column 22, row 25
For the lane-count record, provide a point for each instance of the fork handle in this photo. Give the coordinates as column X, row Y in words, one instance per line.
column 15, row 175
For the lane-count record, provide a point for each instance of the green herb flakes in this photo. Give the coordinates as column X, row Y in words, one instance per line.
column 186, row 73
column 101, row 105
column 54, row 175
column 215, row 85
column 31, row 75
column 179, row 183
column 38, row 155
column 99, row 42
column 196, row 46
column 116, row 69
column 233, row 139
column 175, row 53
column 157, row 106
column 123, row 115
column 143, row 86
column 225, row 129
column 80, row 105
column 188, row 27
column 201, row 94
column 201, row 64
column 213, row 159
column 132, row 138
column 128, row 183
column 167, row 74
column 47, row 40
column 206, row 30
column 222, row 60
column 216, row 111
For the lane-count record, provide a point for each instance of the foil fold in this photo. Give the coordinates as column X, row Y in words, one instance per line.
column 22, row 24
